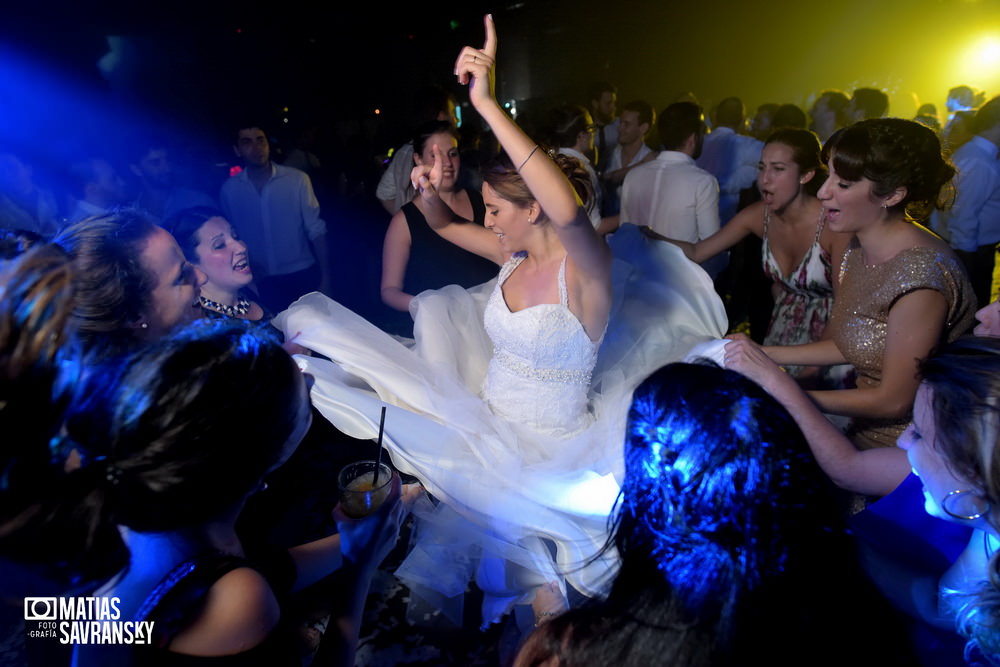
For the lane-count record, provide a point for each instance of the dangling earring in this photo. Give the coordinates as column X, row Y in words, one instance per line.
column 977, row 512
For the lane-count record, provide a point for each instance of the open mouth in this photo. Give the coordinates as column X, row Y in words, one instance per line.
column 242, row 265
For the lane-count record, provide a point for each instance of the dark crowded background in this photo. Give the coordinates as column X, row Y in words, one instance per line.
column 338, row 79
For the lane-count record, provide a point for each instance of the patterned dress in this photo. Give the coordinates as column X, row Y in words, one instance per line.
column 801, row 312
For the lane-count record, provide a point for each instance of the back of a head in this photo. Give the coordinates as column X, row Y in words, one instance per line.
column 565, row 123
column 112, row 287
column 893, row 153
column 35, row 347
column 964, row 98
column 598, row 88
column 720, row 496
column 987, row 117
column 430, row 102
column 730, row 113
column 678, row 122
column 871, row 102
column 191, row 425
column 836, row 101
column 789, row 115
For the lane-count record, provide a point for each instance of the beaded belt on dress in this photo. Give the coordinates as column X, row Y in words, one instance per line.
column 519, row 367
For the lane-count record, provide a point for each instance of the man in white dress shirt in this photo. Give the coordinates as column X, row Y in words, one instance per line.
column 634, row 123
column 275, row 212
column 671, row 194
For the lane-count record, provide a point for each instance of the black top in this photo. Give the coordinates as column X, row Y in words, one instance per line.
column 435, row 262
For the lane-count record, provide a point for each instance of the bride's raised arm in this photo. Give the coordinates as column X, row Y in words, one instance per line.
column 549, row 186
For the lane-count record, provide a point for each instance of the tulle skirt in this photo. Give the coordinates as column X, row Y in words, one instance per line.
column 514, row 508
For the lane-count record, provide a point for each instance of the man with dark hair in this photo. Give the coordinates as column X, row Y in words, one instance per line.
column 867, row 103
column 603, row 99
column 276, row 214
column 634, row 123
column 730, row 155
column 160, row 195
column 829, row 113
column 973, row 223
column 671, row 194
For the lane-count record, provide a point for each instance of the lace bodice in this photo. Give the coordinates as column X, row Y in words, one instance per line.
column 539, row 375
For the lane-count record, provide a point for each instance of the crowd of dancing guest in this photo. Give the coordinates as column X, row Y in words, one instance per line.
column 148, row 395
column 900, row 289
column 799, row 250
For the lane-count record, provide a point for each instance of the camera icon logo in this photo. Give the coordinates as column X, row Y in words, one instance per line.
column 41, row 609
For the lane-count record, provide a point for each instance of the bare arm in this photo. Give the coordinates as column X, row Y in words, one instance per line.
column 395, row 257
column 617, row 177
column 547, row 183
column 748, row 221
column 870, row 472
column 449, row 225
column 819, row 353
column 915, row 325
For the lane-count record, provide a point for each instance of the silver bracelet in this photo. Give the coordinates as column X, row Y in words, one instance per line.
column 525, row 161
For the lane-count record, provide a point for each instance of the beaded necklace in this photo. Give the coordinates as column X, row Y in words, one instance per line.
column 242, row 306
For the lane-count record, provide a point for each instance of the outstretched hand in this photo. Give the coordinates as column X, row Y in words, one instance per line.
column 746, row 357
column 476, row 67
column 426, row 178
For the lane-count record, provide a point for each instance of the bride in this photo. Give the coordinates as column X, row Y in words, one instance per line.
column 503, row 407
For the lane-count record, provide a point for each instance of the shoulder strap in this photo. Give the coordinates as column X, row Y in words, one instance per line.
column 822, row 222
column 563, row 293
column 509, row 267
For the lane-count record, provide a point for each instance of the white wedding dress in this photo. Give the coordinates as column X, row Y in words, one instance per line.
column 515, row 427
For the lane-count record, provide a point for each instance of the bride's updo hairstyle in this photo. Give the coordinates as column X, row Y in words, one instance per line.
column 502, row 176
column 893, row 153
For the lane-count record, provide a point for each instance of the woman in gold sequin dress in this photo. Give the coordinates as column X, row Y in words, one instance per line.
column 900, row 289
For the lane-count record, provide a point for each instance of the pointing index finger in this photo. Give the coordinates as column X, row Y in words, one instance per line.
column 490, row 46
